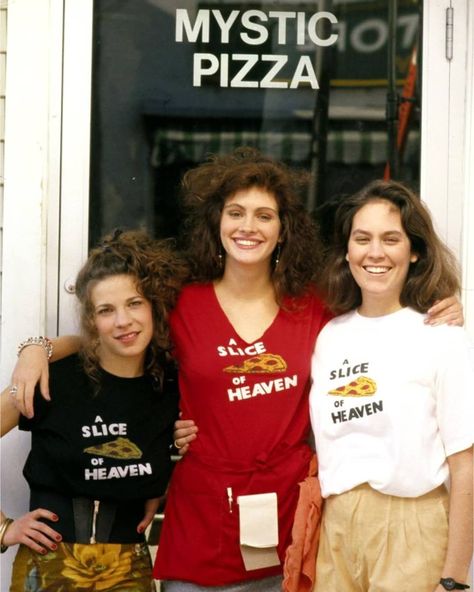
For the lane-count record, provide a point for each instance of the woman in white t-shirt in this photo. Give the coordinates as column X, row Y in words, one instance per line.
column 391, row 405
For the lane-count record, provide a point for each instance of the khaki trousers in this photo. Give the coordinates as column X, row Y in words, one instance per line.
column 372, row 542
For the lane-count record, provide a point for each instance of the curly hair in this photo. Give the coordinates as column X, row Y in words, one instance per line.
column 159, row 273
column 432, row 277
column 205, row 191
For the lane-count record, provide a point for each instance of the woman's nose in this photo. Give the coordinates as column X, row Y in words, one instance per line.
column 122, row 317
column 376, row 249
column 247, row 223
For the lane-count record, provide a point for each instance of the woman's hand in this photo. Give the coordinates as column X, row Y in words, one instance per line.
column 448, row 311
column 185, row 431
column 29, row 531
column 31, row 368
column 151, row 506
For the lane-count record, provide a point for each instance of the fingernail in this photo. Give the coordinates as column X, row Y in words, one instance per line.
column 54, row 547
column 140, row 529
column 59, row 537
column 55, row 518
column 43, row 551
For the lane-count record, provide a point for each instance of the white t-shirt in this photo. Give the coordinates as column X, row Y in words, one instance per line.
column 417, row 407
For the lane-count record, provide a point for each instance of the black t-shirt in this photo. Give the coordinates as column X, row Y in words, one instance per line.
column 113, row 444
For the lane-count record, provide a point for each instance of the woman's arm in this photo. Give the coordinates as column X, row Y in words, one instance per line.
column 460, row 543
column 27, row 529
column 32, row 367
column 448, row 311
column 151, row 507
column 9, row 413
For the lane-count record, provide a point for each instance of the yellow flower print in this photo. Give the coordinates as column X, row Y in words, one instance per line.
column 97, row 567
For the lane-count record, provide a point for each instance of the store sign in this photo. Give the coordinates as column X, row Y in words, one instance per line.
column 235, row 47
column 254, row 29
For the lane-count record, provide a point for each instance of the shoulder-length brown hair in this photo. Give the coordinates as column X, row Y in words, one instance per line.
column 159, row 274
column 205, row 191
column 432, row 277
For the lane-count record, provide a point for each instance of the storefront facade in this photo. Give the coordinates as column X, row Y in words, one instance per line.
column 108, row 103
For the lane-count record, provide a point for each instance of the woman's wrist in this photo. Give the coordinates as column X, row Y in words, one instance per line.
column 3, row 529
column 43, row 342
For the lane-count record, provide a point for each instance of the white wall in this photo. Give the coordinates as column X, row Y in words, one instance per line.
column 3, row 60
column 34, row 26
column 468, row 193
column 447, row 182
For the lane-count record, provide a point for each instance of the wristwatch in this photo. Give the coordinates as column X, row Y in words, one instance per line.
column 451, row 584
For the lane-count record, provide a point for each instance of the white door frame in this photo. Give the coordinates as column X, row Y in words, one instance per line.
column 75, row 157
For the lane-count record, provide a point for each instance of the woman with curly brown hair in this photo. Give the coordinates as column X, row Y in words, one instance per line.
column 99, row 457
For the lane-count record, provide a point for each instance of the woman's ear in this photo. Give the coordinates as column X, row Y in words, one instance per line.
column 347, row 257
column 413, row 258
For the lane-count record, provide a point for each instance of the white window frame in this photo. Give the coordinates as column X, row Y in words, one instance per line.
column 443, row 118
column 442, row 148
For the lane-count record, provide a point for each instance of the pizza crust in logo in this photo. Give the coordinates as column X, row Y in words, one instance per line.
column 361, row 387
column 261, row 364
column 121, row 448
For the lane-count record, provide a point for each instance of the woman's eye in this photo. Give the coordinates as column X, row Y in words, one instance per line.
column 104, row 311
column 265, row 217
column 362, row 241
column 234, row 214
column 135, row 303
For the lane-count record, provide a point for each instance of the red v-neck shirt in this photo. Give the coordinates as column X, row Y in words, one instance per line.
column 253, row 428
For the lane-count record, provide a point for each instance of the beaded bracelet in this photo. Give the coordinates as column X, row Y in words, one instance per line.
column 3, row 529
column 43, row 341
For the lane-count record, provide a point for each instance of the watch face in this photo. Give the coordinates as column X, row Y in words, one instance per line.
column 448, row 583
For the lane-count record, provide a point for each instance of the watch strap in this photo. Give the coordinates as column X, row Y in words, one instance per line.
column 451, row 584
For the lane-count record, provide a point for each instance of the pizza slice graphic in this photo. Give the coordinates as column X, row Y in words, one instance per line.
column 260, row 364
column 360, row 387
column 119, row 448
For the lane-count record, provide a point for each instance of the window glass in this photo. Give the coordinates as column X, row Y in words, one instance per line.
column 314, row 84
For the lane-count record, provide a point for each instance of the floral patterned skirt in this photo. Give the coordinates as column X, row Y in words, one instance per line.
column 85, row 568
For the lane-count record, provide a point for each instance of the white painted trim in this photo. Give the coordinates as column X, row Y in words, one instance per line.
column 34, row 30
column 468, row 211
column 435, row 107
column 443, row 120
column 77, row 92
column 457, row 128
column 54, row 170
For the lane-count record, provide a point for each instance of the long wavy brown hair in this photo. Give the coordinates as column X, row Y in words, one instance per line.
column 207, row 187
column 435, row 274
column 159, row 273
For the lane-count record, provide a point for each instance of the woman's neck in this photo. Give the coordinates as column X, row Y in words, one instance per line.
column 122, row 366
column 373, row 307
column 248, row 300
column 246, row 283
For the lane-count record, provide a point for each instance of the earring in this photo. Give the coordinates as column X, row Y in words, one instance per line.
column 220, row 257
column 278, row 253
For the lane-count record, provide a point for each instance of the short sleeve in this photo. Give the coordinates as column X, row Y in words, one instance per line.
column 455, row 390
